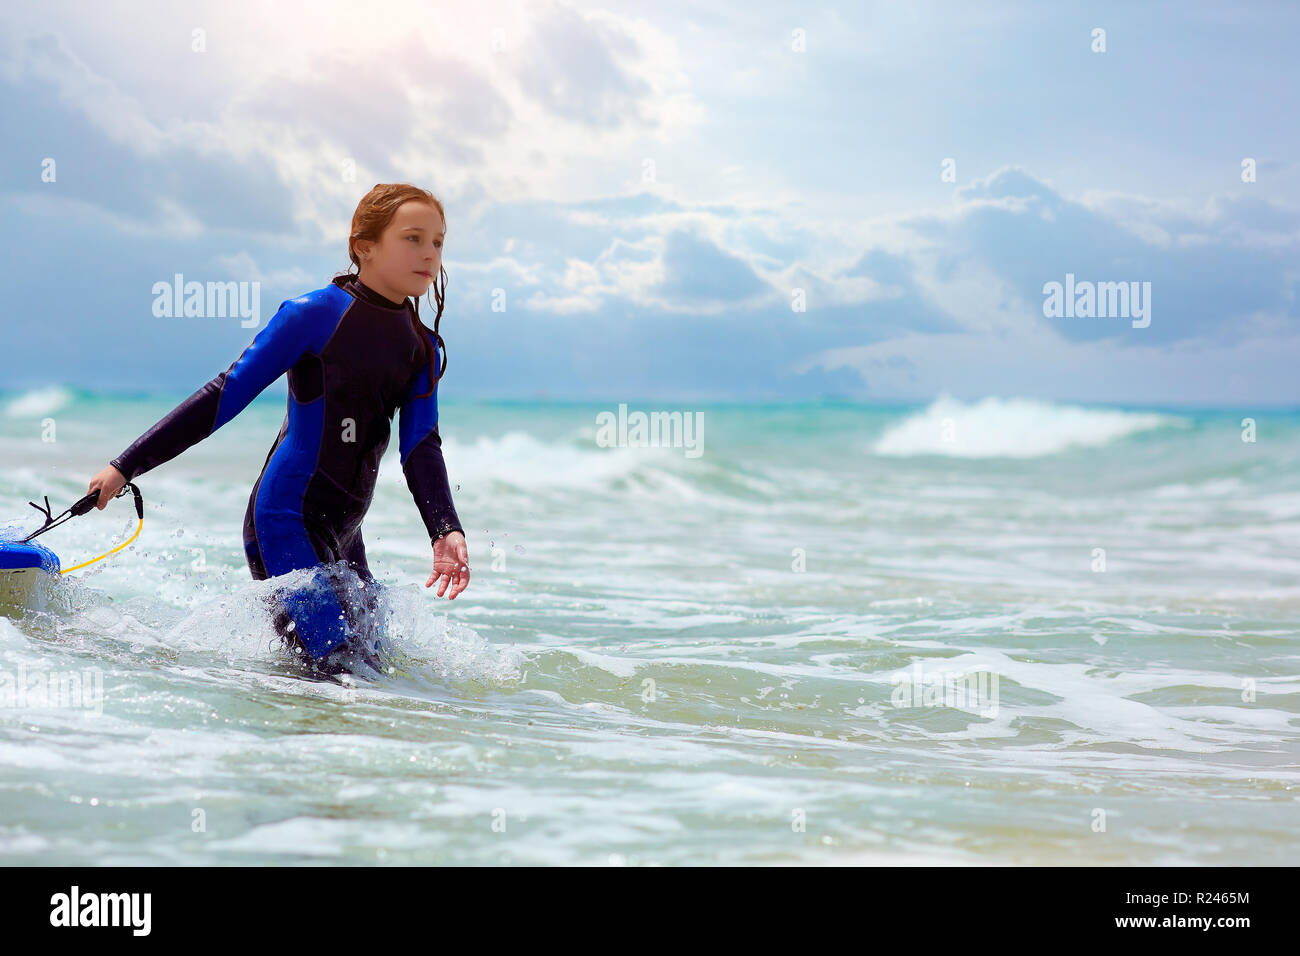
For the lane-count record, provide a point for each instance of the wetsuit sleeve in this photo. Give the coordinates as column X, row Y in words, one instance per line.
column 422, row 462
column 272, row 352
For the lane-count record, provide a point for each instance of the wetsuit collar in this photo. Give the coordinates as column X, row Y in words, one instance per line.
column 351, row 282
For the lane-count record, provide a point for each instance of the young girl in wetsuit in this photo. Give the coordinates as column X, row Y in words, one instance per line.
column 355, row 352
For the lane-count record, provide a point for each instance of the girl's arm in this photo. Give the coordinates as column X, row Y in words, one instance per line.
column 422, row 462
column 273, row 351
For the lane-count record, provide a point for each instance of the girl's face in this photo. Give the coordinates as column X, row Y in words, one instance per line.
column 408, row 255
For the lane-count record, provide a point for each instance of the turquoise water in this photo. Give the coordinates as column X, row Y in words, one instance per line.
column 753, row 655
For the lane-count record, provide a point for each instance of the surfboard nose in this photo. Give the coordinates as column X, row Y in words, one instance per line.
column 22, row 564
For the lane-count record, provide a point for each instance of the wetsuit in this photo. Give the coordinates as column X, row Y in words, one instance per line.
column 353, row 359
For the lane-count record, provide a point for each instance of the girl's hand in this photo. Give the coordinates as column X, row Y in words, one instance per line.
column 109, row 482
column 450, row 564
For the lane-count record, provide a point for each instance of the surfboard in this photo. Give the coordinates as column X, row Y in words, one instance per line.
column 22, row 565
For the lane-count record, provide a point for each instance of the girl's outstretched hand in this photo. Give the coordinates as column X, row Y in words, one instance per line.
column 450, row 564
column 109, row 482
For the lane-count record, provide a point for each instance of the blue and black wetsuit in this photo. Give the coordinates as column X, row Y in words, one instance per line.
column 354, row 359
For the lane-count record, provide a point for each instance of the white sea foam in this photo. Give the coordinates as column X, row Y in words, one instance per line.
column 1009, row 428
column 518, row 458
column 38, row 401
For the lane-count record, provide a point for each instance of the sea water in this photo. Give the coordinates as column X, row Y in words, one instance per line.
column 997, row 631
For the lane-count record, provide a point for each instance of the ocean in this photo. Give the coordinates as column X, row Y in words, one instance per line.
column 959, row 632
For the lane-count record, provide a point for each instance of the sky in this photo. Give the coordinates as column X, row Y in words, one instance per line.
column 674, row 201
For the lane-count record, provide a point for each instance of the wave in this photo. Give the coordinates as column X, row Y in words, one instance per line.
column 518, row 458
column 1010, row 428
column 39, row 401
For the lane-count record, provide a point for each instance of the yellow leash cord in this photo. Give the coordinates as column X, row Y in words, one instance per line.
column 107, row 553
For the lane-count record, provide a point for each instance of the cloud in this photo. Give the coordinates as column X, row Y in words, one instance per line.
column 1223, row 304
column 536, row 145
column 583, row 69
column 1020, row 233
column 345, row 105
column 269, row 155
column 157, row 178
column 603, row 72
column 697, row 274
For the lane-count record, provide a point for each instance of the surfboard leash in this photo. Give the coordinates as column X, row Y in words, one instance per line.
column 79, row 508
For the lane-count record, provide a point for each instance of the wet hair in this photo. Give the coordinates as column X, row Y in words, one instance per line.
column 373, row 214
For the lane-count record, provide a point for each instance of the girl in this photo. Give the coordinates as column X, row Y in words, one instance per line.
column 355, row 352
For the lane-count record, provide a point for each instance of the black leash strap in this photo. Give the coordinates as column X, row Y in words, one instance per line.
column 81, row 506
